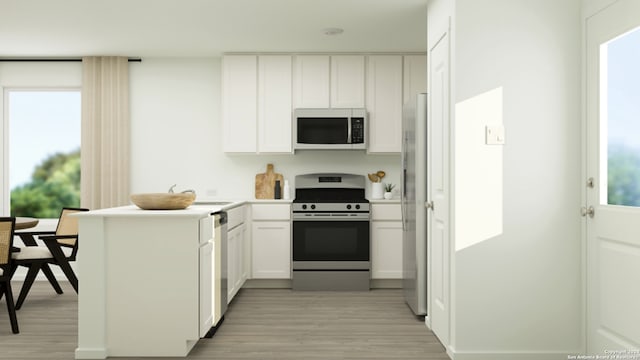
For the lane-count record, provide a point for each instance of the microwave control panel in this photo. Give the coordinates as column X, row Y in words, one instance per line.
column 357, row 130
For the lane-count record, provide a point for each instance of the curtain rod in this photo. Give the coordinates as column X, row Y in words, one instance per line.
column 54, row 59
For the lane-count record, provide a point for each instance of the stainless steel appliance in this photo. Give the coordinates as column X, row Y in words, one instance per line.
column 326, row 129
column 413, row 200
column 331, row 242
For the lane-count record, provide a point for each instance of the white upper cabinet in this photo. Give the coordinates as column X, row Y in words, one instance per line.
column 384, row 103
column 347, row 81
column 311, row 81
column 239, row 103
column 274, row 104
column 256, row 103
column 415, row 76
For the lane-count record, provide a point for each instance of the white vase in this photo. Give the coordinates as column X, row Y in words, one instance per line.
column 377, row 190
column 388, row 195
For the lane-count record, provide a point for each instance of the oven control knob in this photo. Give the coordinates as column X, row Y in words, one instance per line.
column 348, row 207
column 304, row 207
column 313, row 207
column 358, row 207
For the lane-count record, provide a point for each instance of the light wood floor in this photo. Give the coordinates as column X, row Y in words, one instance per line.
column 266, row 324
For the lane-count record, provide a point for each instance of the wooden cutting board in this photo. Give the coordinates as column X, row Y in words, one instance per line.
column 266, row 182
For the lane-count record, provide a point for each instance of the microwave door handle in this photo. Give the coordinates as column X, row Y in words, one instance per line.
column 349, row 130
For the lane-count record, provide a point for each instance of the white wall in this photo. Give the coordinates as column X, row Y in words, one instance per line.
column 518, row 291
column 177, row 137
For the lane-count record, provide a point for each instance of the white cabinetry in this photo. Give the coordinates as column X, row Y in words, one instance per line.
column 236, row 248
column 415, row 76
column 239, row 103
column 146, row 289
column 311, row 81
column 256, row 103
column 274, row 104
column 271, row 241
column 384, row 103
column 347, row 81
column 386, row 241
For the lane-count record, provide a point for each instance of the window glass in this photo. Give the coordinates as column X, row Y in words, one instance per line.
column 620, row 115
column 44, row 151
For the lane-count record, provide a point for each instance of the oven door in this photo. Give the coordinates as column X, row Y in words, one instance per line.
column 331, row 245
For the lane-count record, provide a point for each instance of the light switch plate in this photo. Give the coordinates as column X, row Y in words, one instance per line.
column 494, row 135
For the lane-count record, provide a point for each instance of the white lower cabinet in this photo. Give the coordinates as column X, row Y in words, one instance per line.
column 236, row 249
column 271, row 241
column 235, row 262
column 386, row 250
column 386, row 241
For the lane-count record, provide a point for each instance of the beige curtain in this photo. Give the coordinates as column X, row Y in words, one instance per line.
column 105, row 132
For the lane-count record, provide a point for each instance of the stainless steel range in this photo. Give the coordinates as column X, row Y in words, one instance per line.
column 331, row 244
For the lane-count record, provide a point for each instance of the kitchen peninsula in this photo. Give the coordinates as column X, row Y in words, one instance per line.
column 141, row 282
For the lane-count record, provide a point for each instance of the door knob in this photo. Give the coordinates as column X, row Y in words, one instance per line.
column 588, row 211
column 429, row 205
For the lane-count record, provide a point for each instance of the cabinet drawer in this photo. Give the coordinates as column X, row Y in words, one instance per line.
column 386, row 212
column 271, row 211
column 235, row 217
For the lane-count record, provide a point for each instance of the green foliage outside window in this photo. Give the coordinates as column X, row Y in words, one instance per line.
column 55, row 184
column 624, row 176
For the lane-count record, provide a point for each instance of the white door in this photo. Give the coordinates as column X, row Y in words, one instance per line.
column 439, row 189
column 613, row 162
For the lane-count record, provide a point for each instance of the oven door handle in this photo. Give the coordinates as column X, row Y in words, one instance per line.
column 331, row 218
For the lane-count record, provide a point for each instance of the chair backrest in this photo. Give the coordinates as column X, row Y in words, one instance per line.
column 68, row 225
column 7, row 227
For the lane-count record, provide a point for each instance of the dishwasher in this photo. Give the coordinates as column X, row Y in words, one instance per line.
column 218, row 274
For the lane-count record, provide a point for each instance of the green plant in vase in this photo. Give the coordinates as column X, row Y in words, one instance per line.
column 388, row 188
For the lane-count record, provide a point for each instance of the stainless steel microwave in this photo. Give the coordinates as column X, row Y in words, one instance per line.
column 330, row 129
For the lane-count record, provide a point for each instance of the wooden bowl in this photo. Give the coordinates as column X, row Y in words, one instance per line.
column 163, row 201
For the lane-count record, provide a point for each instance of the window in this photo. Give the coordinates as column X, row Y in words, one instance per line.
column 43, row 151
column 620, row 114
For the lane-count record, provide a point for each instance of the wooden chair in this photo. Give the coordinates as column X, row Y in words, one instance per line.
column 7, row 227
column 60, row 249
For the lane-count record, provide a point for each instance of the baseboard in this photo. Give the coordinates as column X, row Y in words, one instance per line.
column 385, row 283
column 286, row 284
column 91, row 353
column 487, row 355
column 267, row 284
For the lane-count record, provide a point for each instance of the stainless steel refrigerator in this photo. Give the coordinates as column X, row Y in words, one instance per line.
column 414, row 196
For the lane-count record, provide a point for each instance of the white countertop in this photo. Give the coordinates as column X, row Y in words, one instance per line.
column 132, row 210
column 198, row 209
column 384, row 201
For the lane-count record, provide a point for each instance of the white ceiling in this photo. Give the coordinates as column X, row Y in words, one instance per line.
column 139, row 28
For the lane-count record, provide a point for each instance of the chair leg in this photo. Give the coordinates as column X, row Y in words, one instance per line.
column 52, row 279
column 11, row 308
column 63, row 262
column 67, row 270
column 28, row 282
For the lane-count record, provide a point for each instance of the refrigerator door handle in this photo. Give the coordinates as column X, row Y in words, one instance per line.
column 403, row 195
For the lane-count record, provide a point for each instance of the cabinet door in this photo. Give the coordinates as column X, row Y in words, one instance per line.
column 274, row 104
column 239, row 103
column 347, row 81
column 384, row 103
column 386, row 250
column 311, row 81
column 415, row 76
column 244, row 270
column 206, row 287
column 232, row 263
column 271, row 250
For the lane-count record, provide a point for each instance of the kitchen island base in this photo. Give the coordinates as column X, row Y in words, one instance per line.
column 140, row 289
